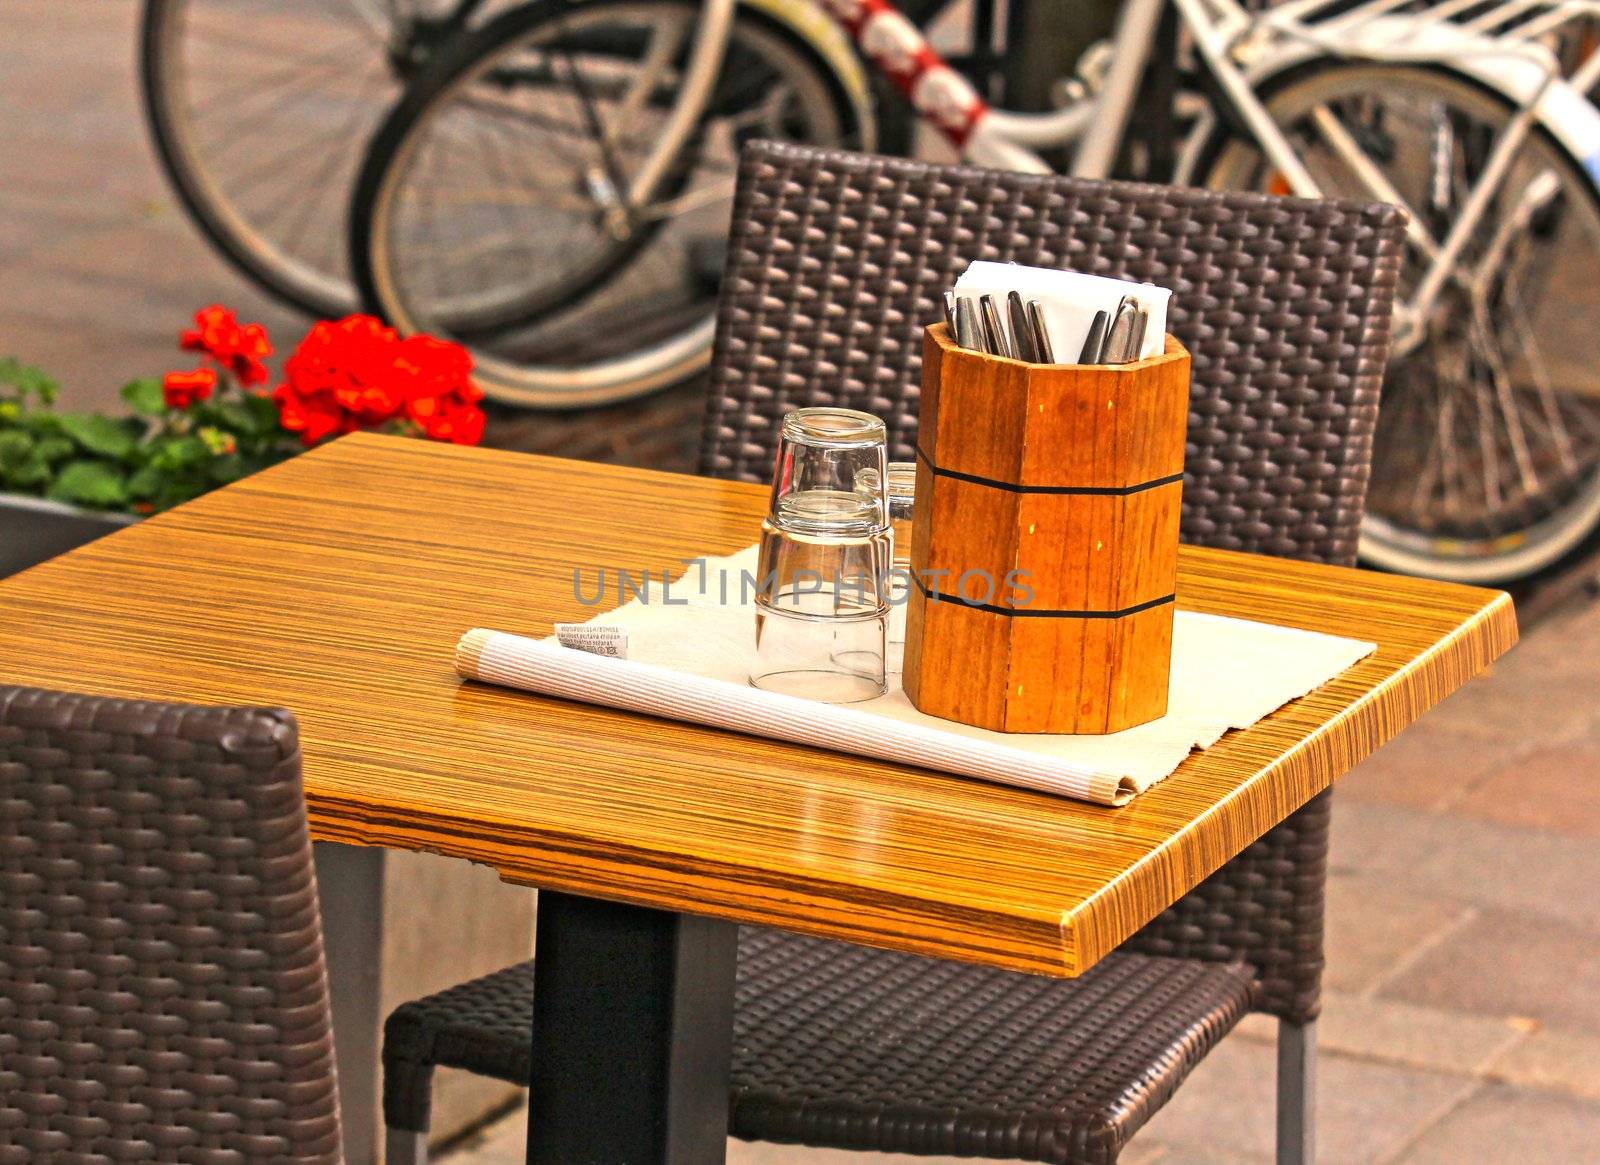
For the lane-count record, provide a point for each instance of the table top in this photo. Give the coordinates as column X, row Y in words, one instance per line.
column 336, row 585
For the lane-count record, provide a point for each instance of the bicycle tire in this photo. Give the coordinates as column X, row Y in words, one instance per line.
column 223, row 226
column 372, row 264
column 1553, row 543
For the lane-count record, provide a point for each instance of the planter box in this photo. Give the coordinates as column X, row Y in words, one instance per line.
column 33, row 530
column 397, row 925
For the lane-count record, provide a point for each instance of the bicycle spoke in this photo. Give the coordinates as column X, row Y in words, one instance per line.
column 563, row 134
column 1506, row 404
column 273, row 163
column 298, row 74
column 372, row 18
column 233, row 134
column 498, row 167
column 320, row 183
column 1556, row 425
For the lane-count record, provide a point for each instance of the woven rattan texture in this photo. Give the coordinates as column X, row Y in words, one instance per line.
column 856, row 1048
column 837, row 260
column 162, row 993
column 842, row 1045
column 480, row 1026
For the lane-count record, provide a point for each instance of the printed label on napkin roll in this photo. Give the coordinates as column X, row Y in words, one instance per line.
column 611, row 641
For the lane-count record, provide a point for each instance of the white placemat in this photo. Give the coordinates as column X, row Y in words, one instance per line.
column 688, row 658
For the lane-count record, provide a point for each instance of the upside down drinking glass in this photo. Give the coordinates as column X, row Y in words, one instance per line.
column 821, row 609
column 901, row 497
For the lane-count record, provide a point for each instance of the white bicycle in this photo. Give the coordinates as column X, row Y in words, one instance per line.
column 550, row 187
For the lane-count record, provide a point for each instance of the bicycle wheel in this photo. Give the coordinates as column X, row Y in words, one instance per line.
column 1486, row 461
column 489, row 207
column 259, row 110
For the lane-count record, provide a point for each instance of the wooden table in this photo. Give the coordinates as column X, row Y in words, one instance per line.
column 337, row 584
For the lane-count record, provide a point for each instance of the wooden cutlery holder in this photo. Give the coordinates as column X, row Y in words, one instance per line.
column 1045, row 543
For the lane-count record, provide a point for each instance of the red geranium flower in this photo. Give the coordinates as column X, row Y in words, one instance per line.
column 239, row 348
column 213, row 331
column 250, row 348
column 356, row 373
column 182, row 389
column 448, row 419
column 312, row 418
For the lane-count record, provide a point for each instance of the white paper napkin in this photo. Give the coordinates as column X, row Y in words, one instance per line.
column 689, row 648
column 1069, row 300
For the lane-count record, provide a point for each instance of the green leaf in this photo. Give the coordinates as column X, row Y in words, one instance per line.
column 99, row 434
column 90, row 483
column 145, row 483
column 145, row 396
column 26, row 379
column 54, row 448
column 16, row 447
column 224, row 470
column 179, row 453
column 238, row 417
column 29, row 475
column 21, row 465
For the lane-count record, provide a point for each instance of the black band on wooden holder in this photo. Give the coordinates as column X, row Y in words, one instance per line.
column 1035, row 612
column 1013, row 487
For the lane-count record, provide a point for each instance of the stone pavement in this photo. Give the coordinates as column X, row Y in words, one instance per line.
column 1463, row 1006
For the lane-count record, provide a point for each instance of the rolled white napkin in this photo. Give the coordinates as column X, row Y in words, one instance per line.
column 539, row 665
column 1069, row 300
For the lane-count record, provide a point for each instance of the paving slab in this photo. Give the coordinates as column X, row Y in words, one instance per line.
column 1374, row 924
column 1427, row 767
column 1555, row 788
column 1410, row 1035
column 1365, row 1110
column 1553, row 1061
column 1502, row 1125
column 1529, row 873
column 1503, row 964
column 1191, row 1155
column 1512, row 703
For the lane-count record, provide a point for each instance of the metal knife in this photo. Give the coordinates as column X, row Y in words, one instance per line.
column 969, row 334
column 994, row 329
column 1095, row 340
column 1021, row 328
column 1119, row 335
column 950, row 312
column 1041, row 334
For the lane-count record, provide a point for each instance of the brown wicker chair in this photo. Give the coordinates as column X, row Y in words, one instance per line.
column 162, row 995
column 835, row 262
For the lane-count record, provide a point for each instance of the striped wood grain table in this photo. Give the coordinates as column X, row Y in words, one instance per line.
column 336, row 585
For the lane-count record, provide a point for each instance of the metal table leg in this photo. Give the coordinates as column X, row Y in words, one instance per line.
column 632, row 1034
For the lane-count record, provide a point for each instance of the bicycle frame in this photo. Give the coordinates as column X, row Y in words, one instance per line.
column 1228, row 39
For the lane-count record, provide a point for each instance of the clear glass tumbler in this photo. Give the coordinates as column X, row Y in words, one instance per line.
column 901, row 495
column 832, row 450
column 821, row 608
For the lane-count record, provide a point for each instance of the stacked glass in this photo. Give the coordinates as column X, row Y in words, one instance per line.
column 901, row 495
column 821, row 604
